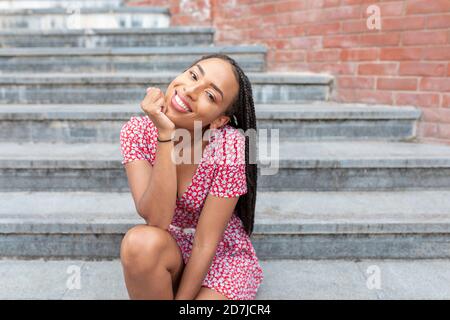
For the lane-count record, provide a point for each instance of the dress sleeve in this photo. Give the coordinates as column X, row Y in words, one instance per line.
column 137, row 140
column 230, row 178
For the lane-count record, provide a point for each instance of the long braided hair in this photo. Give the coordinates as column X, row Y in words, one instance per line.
column 243, row 109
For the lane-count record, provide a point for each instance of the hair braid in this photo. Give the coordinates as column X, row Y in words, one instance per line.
column 243, row 109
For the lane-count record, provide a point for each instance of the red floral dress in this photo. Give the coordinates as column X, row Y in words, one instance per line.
column 235, row 271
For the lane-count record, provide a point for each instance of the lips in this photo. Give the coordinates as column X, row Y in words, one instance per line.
column 176, row 104
column 184, row 100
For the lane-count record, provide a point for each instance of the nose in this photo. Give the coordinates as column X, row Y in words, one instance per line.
column 192, row 90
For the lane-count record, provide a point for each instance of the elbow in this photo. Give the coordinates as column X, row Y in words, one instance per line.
column 160, row 225
column 154, row 221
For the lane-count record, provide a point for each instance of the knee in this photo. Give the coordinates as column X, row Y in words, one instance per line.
column 141, row 247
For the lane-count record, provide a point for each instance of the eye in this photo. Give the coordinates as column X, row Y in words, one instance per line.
column 194, row 76
column 211, row 97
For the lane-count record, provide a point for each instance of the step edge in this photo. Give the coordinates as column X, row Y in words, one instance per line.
column 86, row 10
column 49, row 51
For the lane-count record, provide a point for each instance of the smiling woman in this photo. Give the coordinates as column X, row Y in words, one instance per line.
column 196, row 245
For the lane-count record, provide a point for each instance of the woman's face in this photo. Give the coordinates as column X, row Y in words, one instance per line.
column 207, row 89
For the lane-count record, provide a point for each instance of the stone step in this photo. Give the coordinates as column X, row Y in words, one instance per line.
column 100, row 38
column 85, row 18
column 304, row 121
column 250, row 58
column 39, row 4
column 284, row 280
column 87, row 88
column 299, row 166
column 288, row 225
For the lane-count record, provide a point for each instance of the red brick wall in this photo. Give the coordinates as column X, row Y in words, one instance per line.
column 406, row 62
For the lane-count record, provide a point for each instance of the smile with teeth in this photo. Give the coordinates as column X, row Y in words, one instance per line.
column 181, row 103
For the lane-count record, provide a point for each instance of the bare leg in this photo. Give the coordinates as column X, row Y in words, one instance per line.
column 209, row 294
column 152, row 263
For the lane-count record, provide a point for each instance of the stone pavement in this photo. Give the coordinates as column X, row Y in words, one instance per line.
column 284, row 279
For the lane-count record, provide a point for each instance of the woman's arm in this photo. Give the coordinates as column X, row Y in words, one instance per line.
column 154, row 188
column 157, row 204
column 211, row 226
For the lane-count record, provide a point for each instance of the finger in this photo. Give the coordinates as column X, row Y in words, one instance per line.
column 160, row 104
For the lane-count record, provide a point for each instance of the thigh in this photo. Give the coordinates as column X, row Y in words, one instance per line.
column 209, row 294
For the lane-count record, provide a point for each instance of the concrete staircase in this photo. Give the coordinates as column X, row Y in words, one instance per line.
column 352, row 182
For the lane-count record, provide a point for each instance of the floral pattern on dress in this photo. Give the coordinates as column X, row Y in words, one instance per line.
column 235, row 270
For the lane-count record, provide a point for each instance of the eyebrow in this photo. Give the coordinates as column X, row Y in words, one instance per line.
column 212, row 84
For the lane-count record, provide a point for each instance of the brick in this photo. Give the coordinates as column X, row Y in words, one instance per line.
column 424, row 37
column 397, row 54
column 380, row 39
column 262, row 9
column 355, row 26
column 290, row 31
column 230, row 35
column 328, row 3
column 356, row 82
column 444, row 130
column 269, row 33
column 353, row 2
column 315, row 4
column 287, row 66
column 299, row 17
column 442, row 21
column 427, row 6
column 234, row 13
column 278, row 43
column 323, row 55
column 388, row 9
column 446, row 101
column 276, row 20
column 241, row 2
column 336, row 68
column 306, row 43
column 422, row 69
column 342, row 41
column 443, row 115
column 323, row 28
column 248, row 22
column 427, row 129
column 435, row 84
column 437, row 53
column 417, row 99
column 430, row 115
column 397, row 83
column 287, row 6
column 403, row 23
column 359, row 54
column 366, row 96
column 340, row 13
column 289, row 56
column 377, row 69
column 181, row 20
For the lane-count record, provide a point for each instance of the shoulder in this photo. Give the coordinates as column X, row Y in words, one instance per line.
column 140, row 124
column 230, row 135
column 231, row 142
column 230, row 175
column 138, row 139
column 139, row 127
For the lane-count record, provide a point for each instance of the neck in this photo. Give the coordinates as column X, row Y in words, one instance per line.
column 194, row 140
